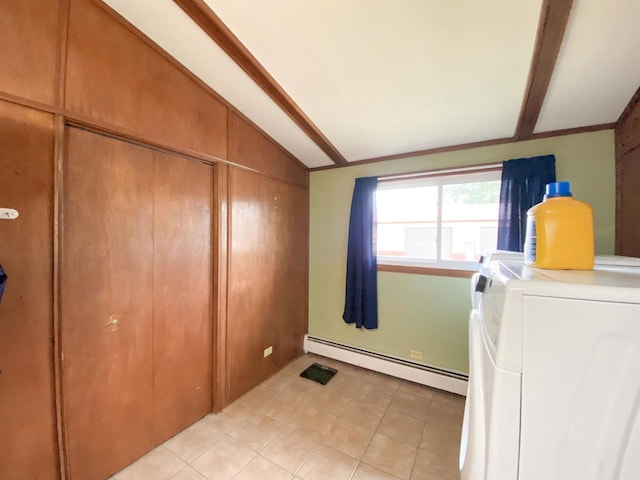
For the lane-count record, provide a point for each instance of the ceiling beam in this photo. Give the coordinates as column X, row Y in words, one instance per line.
column 554, row 17
column 215, row 28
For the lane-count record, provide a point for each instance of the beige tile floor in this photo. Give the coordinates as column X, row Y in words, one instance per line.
column 362, row 425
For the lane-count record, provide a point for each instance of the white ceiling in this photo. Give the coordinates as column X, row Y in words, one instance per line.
column 598, row 67
column 386, row 77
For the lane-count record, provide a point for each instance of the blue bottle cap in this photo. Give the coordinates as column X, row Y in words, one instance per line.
column 558, row 189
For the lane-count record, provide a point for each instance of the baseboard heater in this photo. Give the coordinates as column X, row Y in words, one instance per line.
column 443, row 379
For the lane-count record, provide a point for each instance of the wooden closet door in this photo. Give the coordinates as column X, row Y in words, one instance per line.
column 27, row 412
column 106, row 303
column 182, row 334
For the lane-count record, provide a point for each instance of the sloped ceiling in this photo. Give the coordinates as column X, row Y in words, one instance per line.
column 338, row 81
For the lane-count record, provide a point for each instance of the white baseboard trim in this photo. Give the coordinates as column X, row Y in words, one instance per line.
column 454, row 382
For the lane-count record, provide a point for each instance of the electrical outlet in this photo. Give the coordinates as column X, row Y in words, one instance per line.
column 415, row 354
column 268, row 351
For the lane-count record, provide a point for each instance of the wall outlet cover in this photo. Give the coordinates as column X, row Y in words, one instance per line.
column 268, row 351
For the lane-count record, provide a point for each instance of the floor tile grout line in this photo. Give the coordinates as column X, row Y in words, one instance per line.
column 315, row 447
column 243, row 466
column 394, row 477
column 181, row 470
column 420, row 442
column 354, row 471
column 282, row 427
column 376, row 429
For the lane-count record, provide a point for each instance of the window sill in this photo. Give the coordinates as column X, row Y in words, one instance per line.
column 440, row 272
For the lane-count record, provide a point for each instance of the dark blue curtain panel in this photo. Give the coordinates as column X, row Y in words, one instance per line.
column 523, row 186
column 361, row 298
column 3, row 281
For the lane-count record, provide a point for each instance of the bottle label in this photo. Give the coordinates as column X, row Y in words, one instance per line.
column 531, row 240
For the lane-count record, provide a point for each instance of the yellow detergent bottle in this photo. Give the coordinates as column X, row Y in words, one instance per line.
column 559, row 231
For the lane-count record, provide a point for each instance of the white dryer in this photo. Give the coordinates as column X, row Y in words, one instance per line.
column 554, row 387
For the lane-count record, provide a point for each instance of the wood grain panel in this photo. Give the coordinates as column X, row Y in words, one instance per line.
column 250, row 147
column 27, row 412
column 106, row 303
column 59, row 156
column 291, row 252
column 628, row 227
column 182, row 288
column 628, row 179
column 221, row 396
column 267, row 277
column 252, row 280
column 628, row 132
column 28, row 48
column 115, row 77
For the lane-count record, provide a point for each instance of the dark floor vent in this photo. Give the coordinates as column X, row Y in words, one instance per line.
column 319, row 373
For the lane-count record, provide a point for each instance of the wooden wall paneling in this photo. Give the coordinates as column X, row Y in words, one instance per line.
column 182, row 288
column 628, row 231
column 58, row 185
column 628, row 130
column 629, row 134
column 118, row 79
column 267, row 300
column 618, row 213
column 61, row 58
column 291, row 263
column 300, row 261
column 252, row 279
column 106, row 303
column 628, row 179
column 221, row 396
column 251, row 148
column 27, row 413
column 29, row 48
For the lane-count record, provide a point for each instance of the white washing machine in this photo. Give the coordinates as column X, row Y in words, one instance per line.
column 554, row 381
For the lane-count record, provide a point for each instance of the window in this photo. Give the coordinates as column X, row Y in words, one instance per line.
column 443, row 219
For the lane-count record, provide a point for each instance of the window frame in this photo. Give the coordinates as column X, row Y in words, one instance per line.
column 439, row 178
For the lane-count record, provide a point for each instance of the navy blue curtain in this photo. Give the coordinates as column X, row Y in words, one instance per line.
column 361, row 298
column 523, row 186
column 3, row 281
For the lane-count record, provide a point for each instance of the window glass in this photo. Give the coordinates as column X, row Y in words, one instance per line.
column 443, row 221
column 467, row 208
column 404, row 216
